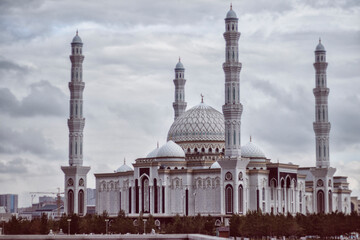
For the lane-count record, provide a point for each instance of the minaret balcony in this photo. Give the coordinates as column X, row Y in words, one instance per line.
column 232, row 36
column 321, row 92
column 77, row 58
column 320, row 66
column 76, row 124
column 321, row 128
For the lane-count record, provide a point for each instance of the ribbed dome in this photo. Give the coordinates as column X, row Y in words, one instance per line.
column 215, row 165
column 76, row 39
column 179, row 65
column 320, row 47
column 153, row 153
column 250, row 150
column 170, row 149
column 200, row 123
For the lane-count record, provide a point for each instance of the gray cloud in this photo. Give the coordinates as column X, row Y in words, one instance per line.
column 27, row 141
column 14, row 166
column 131, row 48
column 44, row 99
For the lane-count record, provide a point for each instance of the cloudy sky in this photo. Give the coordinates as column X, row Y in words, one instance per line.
column 131, row 48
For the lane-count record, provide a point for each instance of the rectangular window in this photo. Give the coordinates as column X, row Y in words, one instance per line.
column 163, row 199
column 129, row 199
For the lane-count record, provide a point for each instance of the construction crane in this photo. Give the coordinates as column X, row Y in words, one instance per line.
column 58, row 198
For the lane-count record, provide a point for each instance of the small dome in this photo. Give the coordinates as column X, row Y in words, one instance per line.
column 179, row 65
column 320, row 47
column 171, row 149
column 215, row 165
column 250, row 150
column 124, row 168
column 76, row 39
column 231, row 13
column 153, row 153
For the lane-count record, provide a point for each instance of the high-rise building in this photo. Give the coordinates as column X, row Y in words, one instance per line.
column 10, row 202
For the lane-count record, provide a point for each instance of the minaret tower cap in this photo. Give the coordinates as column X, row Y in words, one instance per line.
column 320, row 47
column 77, row 39
column 179, row 65
column 231, row 13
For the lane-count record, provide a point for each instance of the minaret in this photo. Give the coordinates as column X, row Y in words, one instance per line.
column 233, row 167
column 232, row 108
column 179, row 81
column 75, row 173
column 321, row 125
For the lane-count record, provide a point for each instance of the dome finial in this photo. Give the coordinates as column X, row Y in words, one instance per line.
column 319, row 39
column 77, row 32
column 124, row 161
column 179, row 59
column 202, row 98
column 230, row 6
column 250, row 138
column 157, row 145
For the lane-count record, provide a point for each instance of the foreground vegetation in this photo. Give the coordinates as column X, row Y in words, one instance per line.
column 121, row 224
column 257, row 225
column 252, row 225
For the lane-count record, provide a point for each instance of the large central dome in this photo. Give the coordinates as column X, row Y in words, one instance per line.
column 200, row 123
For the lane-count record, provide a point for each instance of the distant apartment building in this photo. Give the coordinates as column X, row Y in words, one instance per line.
column 10, row 202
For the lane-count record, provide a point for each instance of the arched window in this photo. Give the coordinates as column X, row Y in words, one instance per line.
column 229, row 199
column 320, row 202
column 76, row 109
column 136, row 196
column 319, row 151
column 145, row 195
column 70, row 202
column 319, row 114
column 80, row 148
column 155, row 196
column 234, row 137
column 234, row 94
column 70, row 147
column 75, row 147
column 324, row 151
column 228, row 94
column 263, row 194
column 330, row 201
column 324, row 114
column 81, row 202
column 228, row 137
column 241, row 199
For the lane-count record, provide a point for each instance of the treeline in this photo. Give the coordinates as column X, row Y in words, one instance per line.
column 121, row 224
column 252, row 225
column 326, row 226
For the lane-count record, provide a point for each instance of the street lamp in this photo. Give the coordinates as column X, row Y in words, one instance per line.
column 69, row 220
column 106, row 222
column 144, row 225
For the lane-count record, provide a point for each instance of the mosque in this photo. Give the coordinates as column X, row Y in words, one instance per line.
column 203, row 169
